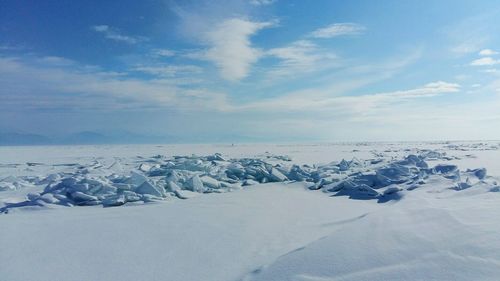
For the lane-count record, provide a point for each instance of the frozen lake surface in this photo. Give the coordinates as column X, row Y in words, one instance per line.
column 340, row 211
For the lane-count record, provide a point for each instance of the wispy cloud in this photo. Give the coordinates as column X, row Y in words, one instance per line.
column 468, row 46
column 113, row 34
column 223, row 30
column 487, row 52
column 471, row 34
column 169, row 70
column 362, row 104
column 261, row 2
column 9, row 47
column 300, row 57
column 55, row 82
column 428, row 90
column 31, row 83
column 491, row 71
column 55, row 61
column 338, row 29
column 163, row 53
column 230, row 48
column 485, row 61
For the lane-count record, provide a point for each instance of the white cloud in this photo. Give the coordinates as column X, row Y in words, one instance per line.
column 307, row 101
column 101, row 28
column 299, row 57
column 491, row 70
column 55, row 61
column 230, row 48
column 468, row 46
column 487, row 52
column 7, row 47
column 30, row 83
column 262, row 2
column 169, row 70
column 113, row 34
column 367, row 104
column 484, row 61
column 338, row 29
column 428, row 90
column 470, row 35
column 41, row 83
column 163, row 53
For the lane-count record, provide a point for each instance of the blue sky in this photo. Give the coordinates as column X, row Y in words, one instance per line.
column 257, row 69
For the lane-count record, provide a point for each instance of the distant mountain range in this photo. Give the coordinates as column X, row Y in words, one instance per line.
column 14, row 138
column 90, row 137
column 23, row 139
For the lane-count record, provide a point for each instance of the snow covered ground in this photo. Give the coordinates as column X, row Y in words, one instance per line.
column 362, row 211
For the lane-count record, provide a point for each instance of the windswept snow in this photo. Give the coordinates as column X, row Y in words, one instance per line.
column 424, row 239
column 365, row 211
column 212, row 237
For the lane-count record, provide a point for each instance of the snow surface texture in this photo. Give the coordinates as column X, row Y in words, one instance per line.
column 421, row 212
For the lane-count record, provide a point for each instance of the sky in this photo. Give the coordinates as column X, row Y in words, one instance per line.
column 252, row 70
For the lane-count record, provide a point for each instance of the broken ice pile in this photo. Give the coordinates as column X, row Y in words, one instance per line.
column 160, row 178
column 157, row 178
column 386, row 181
